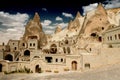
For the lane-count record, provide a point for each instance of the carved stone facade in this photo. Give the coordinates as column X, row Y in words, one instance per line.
column 80, row 46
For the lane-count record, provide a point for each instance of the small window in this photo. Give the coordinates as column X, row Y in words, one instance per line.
column 100, row 39
column 56, row 60
column 3, row 43
column 13, row 43
column 110, row 37
column 119, row 36
column 93, row 34
column 30, row 44
column 102, row 28
column 87, row 65
column 115, row 37
column 15, row 48
column 61, row 43
column 90, row 49
column 33, row 44
column 23, row 44
column 66, row 41
column 61, row 60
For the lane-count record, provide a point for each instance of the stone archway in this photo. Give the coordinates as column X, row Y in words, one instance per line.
column 9, row 57
column 74, row 65
column 26, row 53
column 1, row 67
column 37, row 69
column 53, row 49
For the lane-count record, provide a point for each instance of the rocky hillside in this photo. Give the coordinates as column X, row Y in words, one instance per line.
column 72, row 29
column 34, row 30
column 96, row 22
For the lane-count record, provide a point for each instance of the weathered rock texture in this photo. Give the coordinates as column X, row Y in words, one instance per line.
column 97, row 22
column 75, row 24
column 34, row 30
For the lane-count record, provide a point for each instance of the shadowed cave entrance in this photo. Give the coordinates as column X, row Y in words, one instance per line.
column 9, row 57
column 27, row 53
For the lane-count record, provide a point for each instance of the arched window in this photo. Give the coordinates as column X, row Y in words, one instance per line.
column 30, row 44
column 56, row 60
column 61, row 59
column 27, row 53
column 64, row 49
column 15, row 48
column 33, row 44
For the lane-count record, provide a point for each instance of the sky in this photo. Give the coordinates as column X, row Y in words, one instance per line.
column 15, row 14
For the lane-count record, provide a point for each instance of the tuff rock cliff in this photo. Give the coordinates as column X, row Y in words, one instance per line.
column 75, row 24
column 33, row 29
column 97, row 22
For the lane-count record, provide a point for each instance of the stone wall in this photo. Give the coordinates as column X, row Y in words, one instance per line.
column 108, row 56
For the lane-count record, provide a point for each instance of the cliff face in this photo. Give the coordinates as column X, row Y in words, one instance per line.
column 34, row 30
column 98, row 22
column 114, row 16
column 75, row 24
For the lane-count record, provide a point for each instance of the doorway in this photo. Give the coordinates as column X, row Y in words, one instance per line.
column 37, row 69
column 74, row 65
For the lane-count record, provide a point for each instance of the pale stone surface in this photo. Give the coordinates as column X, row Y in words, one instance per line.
column 106, row 73
column 81, row 46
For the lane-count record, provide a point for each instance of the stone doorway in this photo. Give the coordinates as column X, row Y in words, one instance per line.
column 9, row 57
column 74, row 65
column 0, row 67
column 37, row 69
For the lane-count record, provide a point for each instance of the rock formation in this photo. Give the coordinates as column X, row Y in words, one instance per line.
column 98, row 22
column 75, row 24
column 114, row 16
column 34, row 30
column 58, row 29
